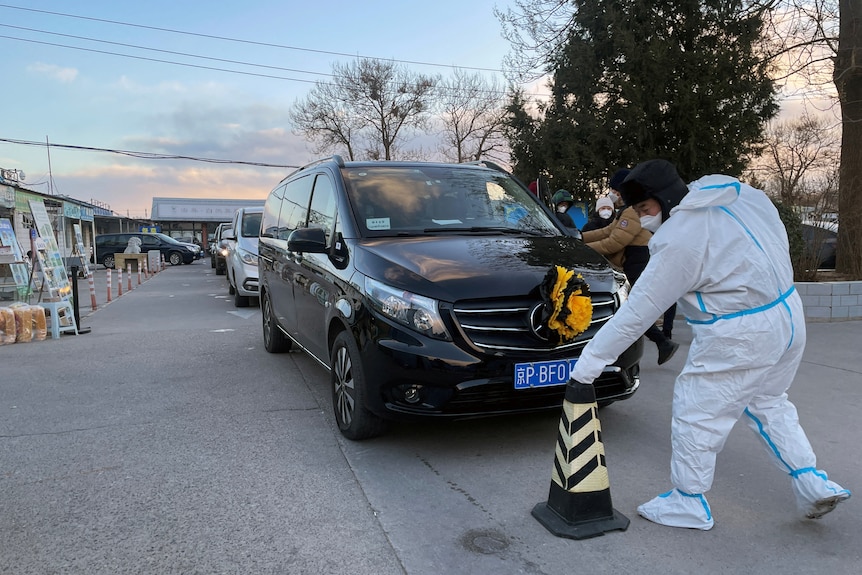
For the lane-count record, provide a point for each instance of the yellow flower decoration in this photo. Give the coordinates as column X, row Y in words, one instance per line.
column 568, row 307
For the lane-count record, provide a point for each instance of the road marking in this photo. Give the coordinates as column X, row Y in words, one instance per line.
column 220, row 330
column 243, row 314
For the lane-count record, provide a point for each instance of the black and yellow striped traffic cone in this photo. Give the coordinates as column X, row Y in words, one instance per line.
column 579, row 503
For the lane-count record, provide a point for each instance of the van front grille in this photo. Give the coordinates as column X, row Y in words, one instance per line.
column 513, row 324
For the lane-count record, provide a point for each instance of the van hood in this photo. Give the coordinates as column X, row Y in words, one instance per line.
column 457, row 268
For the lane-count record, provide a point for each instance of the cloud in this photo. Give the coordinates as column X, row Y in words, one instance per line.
column 62, row 75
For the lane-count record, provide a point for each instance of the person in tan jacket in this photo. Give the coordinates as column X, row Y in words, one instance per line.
column 625, row 244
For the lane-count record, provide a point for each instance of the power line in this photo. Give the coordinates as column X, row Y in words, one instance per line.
column 157, row 60
column 144, row 155
column 157, row 50
column 242, row 41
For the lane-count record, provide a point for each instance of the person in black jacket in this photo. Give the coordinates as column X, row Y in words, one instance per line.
column 562, row 201
column 601, row 216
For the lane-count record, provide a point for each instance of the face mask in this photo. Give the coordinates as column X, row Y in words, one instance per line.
column 651, row 222
column 561, row 209
column 605, row 214
column 613, row 196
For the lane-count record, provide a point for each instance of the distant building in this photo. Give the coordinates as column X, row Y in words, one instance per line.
column 195, row 219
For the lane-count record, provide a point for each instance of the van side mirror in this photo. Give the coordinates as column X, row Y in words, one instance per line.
column 307, row 240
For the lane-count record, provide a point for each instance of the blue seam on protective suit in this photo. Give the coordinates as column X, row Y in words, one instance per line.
column 750, row 311
column 754, row 239
column 781, row 299
column 768, row 441
column 702, row 499
column 735, row 185
column 794, row 473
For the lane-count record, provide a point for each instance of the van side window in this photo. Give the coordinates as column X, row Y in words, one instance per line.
column 269, row 220
column 294, row 208
column 323, row 205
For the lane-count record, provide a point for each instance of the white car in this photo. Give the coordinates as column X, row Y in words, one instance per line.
column 241, row 260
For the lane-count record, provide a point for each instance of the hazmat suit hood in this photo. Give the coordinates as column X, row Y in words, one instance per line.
column 656, row 179
column 710, row 191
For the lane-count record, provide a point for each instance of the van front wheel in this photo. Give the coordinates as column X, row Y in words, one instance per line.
column 349, row 392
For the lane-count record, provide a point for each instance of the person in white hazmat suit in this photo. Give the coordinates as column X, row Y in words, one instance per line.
column 722, row 253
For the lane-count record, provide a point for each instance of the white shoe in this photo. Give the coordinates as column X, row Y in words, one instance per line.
column 678, row 509
column 816, row 495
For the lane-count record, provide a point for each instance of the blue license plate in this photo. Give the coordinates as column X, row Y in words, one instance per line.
column 543, row 373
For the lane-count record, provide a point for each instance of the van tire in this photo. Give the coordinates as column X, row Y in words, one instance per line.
column 175, row 258
column 349, row 392
column 274, row 341
column 108, row 261
column 240, row 300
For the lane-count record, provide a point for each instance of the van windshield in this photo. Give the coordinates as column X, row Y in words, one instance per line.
column 423, row 200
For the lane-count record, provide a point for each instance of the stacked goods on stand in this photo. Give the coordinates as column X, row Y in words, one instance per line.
column 22, row 323
column 7, row 326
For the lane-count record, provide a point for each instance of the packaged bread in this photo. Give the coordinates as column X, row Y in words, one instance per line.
column 23, row 323
column 7, row 326
column 40, row 324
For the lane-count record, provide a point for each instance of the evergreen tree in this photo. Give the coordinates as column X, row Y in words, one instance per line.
column 638, row 79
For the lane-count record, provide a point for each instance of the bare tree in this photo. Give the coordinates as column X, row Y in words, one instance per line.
column 324, row 118
column 368, row 109
column 796, row 153
column 473, row 114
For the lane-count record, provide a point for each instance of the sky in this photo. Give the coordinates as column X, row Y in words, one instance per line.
column 65, row 82
column 54, row 92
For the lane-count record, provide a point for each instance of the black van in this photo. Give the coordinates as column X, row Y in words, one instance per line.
column 173, row 251
column 418, row 285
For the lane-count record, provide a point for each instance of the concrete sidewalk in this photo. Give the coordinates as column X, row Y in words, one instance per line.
column 89, row 302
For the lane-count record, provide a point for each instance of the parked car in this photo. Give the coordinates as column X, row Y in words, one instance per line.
column 821, row 239
column 219, row 250
column 196, row 249
column 241, row 260
column 418, row 286
column 173, row 251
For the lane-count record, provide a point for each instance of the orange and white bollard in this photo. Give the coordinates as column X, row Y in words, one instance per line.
column 109, row 274
column 163, row 262
column 119, row 281
column 139, row 274
column 129, row 272
column 146, row 272
column 92, row 285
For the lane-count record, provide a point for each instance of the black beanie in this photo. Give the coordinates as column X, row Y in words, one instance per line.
column 656, row 179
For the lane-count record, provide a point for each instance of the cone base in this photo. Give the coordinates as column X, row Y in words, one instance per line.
column 560, row 527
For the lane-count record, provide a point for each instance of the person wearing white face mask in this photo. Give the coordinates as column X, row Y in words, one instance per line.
column 722, row 251
column 563, row 200
column 602, row 216
column 624, row 243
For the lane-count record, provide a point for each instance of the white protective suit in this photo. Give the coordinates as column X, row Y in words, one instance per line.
column 723, row 256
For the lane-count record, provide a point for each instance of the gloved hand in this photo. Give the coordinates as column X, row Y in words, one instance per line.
column 579, row 392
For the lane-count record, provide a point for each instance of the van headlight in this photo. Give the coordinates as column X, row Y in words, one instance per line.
column 416, row 312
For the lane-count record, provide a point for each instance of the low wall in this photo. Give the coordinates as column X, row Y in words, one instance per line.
column 831, row 301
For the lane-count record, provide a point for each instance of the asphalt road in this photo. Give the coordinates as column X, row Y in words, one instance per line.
column 166, row 440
